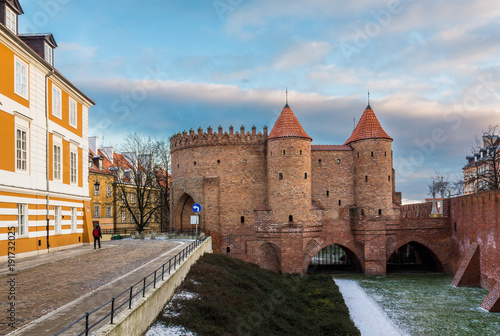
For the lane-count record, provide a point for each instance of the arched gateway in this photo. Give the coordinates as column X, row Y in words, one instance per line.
column 334, row 258
column 182, row 213
column 414, row 257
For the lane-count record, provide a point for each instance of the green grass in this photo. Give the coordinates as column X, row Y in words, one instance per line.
column 427, row 304
column 237, row 298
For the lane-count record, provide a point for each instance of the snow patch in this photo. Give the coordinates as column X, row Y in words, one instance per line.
column 159, row 329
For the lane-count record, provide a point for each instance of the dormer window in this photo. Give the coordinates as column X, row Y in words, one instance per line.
column 49, row 57
column 11, row 20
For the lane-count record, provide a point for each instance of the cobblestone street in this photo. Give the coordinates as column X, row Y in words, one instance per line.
column 43, row 289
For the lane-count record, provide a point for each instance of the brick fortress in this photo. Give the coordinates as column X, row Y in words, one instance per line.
column 276, row 200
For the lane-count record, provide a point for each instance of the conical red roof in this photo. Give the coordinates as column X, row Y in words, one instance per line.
column 287, row 125
column 368, row 127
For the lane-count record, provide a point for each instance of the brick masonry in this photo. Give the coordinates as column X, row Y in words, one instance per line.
column 279, row 201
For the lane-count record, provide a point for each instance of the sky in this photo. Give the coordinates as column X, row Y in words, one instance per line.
column 159, row 67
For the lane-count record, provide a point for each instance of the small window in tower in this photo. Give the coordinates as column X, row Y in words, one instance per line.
column 271, row 153
column 218, row 161
column 242, row 219
column 290, row 218
column 358, row 155
column 366, row 178
column 178, row 165
column 301, row 152
column 228, row 249
column 338, row 160
column 372, row 154
column 327, row 193
column 305, row 176
column 195, row 163
column 340, row 202
column 245, row 161
column 385, row 153
column 281, row 176
column 283, row 152
column 362, row 212
column 389, row 178
column 379, row 212
column 455, row 227
column 319, row 161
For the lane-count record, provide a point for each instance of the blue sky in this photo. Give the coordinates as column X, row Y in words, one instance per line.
column 162, row 66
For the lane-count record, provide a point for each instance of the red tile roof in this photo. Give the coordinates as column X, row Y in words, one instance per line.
column 368, row 128
column 287, row 125
column 331, row 148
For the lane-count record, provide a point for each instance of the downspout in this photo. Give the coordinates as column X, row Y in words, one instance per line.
column 47, row 157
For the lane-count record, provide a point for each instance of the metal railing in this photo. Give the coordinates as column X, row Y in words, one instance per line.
column 117, row 304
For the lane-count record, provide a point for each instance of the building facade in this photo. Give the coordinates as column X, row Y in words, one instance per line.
column 276, row 200
column 482, row 171
column 43, row 120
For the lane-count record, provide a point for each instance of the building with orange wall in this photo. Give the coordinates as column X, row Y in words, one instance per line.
column 43, row 124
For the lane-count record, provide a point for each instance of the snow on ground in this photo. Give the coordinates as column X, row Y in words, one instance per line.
column 159, row 329
column 366, row 314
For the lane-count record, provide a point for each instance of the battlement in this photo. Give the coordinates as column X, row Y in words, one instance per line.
column 211, row 138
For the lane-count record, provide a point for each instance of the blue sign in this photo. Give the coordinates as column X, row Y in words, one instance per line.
column 196, row 208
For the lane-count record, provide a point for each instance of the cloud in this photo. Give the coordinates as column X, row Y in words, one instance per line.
column 303, row 54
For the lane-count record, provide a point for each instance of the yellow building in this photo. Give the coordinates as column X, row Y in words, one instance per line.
column 44, row 128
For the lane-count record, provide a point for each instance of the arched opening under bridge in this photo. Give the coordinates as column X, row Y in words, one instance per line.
column 413, row 257
column 183, row 213
column 334, row 259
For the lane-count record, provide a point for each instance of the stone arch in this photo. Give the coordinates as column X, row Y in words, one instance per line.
column 269, row 257
column 419, row 243
column 182, row 212
column 347, row 246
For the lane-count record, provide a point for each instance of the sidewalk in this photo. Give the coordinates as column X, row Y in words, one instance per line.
column 70, row 283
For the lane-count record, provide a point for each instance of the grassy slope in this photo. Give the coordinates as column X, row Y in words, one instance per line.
column 238, row 298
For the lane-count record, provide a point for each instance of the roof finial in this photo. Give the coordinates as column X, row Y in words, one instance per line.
column 368, row 97
column 287, row 96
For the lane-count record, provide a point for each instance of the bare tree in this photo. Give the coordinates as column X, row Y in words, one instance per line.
column 457, row 186
column 487, row 160
column 136, row 181
column 163, row 182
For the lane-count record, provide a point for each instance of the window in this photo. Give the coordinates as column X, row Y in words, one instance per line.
column 57, row 162
column 340, row 202
column 301, row 152
column 290, row 218
column 11, row 20
column 338, row 160
column 97, row 189
column 21, row 150
column 73, row 167
column 379, row 212
column 284, row 152
column 97, row 211
column 305, row 176
column 389, row 178
column 366, row 178
column 327, row 193
column 72, row 113
column 124, row 216
column 372, row 154
column 108, row 190
column 48, row 54
column 73, row 219
column 281, row 176
column 22, row 219
column 108, row 212
column 56, row 102
column 132, row 198
column 242, row 219
column 57, row 219
column 21, row 78
column 124, row 198
column 319, row 161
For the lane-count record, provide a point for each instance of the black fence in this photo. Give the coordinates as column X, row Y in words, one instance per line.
column 107, row 311
column 332, row 258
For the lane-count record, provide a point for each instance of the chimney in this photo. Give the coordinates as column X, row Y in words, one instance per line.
column 93, row 144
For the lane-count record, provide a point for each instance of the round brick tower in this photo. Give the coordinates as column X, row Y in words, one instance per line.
column 289, row 169
column 372, row 167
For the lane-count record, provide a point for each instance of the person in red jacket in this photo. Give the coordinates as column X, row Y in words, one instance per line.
column 97, row 236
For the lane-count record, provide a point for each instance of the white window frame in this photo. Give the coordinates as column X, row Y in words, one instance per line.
column 109, row 190
column 97, row 211
column 22, row 153
column 97, row 189
column 74, row 219
column 11, row 20
column 124, row 216
column 73, row 167
column 49, row 56
column 56, row 101
column 73, row 113
column 132, row 198
column 57, row 164
column 22, row 220
column 57, row 220
column 108, row 212
column 20, row 78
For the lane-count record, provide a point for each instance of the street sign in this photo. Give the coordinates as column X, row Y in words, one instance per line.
column 194, row 220
column 196, row 208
